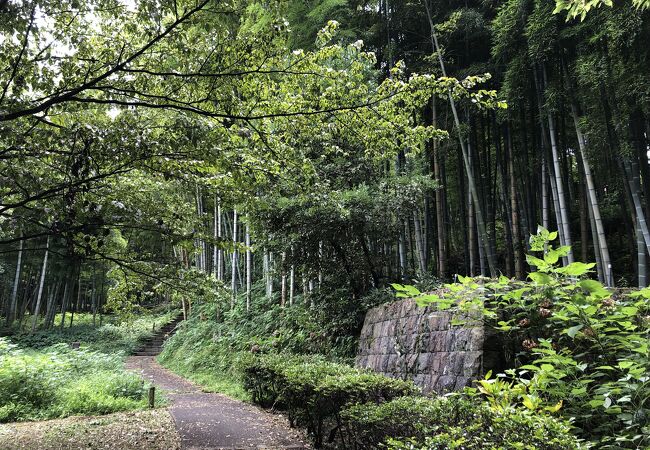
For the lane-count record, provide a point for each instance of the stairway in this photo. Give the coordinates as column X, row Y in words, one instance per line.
column 152, row 346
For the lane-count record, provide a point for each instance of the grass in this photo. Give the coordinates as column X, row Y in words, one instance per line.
column 193, row 353
column 41, row 377
column 113, row 336
column 209, row 380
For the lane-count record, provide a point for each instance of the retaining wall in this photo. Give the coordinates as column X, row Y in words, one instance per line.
column 402, row 340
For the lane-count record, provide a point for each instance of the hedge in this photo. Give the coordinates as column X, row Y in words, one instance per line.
column 314, row 391
column 419, row 423
column 366, row 410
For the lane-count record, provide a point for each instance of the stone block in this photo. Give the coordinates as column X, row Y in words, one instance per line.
column 401, row 338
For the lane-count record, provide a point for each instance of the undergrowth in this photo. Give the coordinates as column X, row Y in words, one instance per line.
column 213, row 344
column 42, row 377
column 112, row 336
column 59, row 382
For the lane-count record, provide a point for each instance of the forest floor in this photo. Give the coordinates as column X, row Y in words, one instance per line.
column 215, row 421
column 135, row 430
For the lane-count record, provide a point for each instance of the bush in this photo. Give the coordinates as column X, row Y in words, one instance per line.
column 369, row 425
column 579, row 349
column 315, row 392
column 101, row 393
column 57, row 382
column 450, row 423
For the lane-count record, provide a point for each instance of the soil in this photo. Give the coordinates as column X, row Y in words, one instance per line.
column 136, row 430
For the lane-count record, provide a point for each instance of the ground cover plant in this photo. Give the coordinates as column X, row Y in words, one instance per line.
column 59, row 382
column 348, row 408
column 42, row 377
column 115, row 334
column 211, row 346
column 314, row 392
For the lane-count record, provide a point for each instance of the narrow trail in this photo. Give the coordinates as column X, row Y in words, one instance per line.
column 215, row 421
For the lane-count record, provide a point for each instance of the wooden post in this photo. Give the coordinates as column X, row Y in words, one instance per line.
column 152, row 396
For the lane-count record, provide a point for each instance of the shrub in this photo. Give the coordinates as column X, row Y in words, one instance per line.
column 57, row 382
column 369, row 425
column 315, row 392
column 580, row 349
column 450, row 423
column 113, row 336
column 101, row 393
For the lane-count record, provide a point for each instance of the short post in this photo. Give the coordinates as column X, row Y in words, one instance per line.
column 152, row 396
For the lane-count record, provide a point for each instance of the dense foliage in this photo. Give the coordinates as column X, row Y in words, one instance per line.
column 315, row 392
column 58, row 382
column 272, row 166
column 212, row 345
column 42, row 377
column 579, row 349
column 450, row 423
column 352, row 409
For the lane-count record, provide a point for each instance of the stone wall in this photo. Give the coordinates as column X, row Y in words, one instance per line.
column 402, row 340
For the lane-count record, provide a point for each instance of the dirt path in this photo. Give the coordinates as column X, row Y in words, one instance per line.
column 133, row 430
column 214, row 421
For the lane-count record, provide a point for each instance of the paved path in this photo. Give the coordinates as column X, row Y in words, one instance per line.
column 215, row 421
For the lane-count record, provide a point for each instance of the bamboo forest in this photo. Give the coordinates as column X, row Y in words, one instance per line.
column 324, row 224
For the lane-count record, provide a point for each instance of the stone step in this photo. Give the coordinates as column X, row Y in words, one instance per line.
column 152, row 346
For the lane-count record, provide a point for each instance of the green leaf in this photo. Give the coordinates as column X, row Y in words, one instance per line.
column 553, row 255
column 528, row 403
column 405, row 290
column 574, row 330
column 554, row 408
column 625, row 364
column 540, row 277
column 630, row 310
column 576, row 269
column 534, row 261
column 594, row 288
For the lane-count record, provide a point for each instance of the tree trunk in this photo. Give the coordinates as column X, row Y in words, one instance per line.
column 66, row 295
column 544, row 196
column 283, row 292
column 440, row 198
column 593, row 201
column 292, row 278
column 518, row 250
column 11, row 314
column 564, row 214
column 217, row 256
column 482, row 231
column 233, row 275
column 403, row 263
column 320, row 264
column 635, row 190
column 641, row 257
column 471, row 242
column 249, row 268
column 419, row 243
column 37, row 309
column 267, row 274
